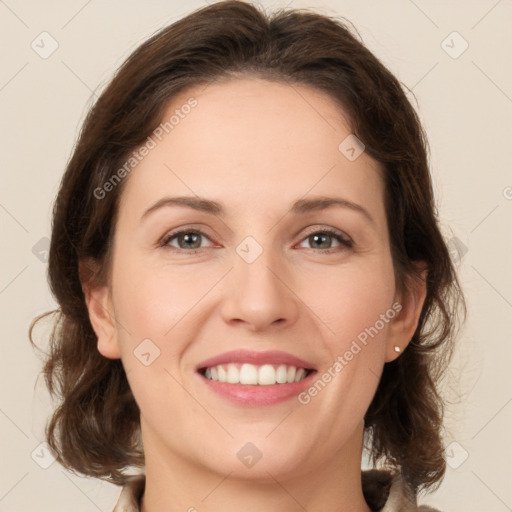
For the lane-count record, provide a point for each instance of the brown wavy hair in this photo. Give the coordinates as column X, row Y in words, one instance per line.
column 95, row 430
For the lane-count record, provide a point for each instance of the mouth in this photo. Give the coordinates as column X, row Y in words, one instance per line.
column 251, row 379
column 248, row 374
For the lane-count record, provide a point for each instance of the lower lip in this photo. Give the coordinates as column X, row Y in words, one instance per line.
column 257, row 396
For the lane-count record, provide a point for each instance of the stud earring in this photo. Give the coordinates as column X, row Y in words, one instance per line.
column 397, row 348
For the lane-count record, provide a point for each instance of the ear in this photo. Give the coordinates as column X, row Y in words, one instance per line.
column 402, row 327
column 101, row 312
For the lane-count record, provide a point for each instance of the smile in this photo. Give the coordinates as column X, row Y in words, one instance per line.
column 255, row 375
column 249, row 378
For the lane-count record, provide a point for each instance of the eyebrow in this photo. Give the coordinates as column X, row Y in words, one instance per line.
column 300, row 206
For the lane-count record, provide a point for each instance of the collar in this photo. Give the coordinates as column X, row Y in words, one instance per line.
column 383, row 490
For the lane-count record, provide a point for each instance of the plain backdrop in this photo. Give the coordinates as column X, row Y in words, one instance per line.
column 454, row 57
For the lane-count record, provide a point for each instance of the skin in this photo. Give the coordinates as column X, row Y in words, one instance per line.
column 256, row 147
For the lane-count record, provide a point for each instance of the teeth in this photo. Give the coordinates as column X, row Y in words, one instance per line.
column 222, row 374
column 250, row 374
column 298, row 376
column 233, row 376
column 281, row 374
column 266, row 375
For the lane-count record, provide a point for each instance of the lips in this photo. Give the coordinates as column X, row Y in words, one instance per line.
column 251, row 378
column 239, row 357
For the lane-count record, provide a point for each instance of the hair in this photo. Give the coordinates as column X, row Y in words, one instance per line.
column 96, row 428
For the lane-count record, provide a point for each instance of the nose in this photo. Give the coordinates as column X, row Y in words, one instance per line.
column 260, row 294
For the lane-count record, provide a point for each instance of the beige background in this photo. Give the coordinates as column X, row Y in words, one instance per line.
column 466, row 106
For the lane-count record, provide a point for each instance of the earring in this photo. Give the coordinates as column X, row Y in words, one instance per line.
column 397, row 348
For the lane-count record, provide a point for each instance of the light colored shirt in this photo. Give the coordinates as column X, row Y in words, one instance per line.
column 383, row 490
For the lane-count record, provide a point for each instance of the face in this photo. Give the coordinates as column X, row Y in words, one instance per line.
column 252, row 279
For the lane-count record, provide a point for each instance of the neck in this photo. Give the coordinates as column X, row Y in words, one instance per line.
column 174, row 483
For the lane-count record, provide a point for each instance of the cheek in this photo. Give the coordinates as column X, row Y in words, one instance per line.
column 151, row 302
column 352, row 302
column 152, row 309
column 357, row 306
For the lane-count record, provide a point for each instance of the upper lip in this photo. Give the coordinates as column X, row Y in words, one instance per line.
column 256, row 358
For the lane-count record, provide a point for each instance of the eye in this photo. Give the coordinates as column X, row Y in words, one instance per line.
column 187, row 239
column 322, row 239
column 190, row 241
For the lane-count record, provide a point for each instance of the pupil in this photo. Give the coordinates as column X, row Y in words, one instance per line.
column 189, row 237
column 317, row 237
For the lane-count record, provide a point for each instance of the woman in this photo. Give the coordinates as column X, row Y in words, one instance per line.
column 203, row 336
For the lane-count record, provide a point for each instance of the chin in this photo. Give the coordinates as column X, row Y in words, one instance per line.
column 258, row 459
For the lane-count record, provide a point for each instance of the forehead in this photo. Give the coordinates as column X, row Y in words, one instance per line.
column 251, row 141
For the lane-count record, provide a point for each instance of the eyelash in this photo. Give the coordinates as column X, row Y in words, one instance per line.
column 346, row 243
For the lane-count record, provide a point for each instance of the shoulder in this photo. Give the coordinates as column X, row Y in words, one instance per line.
column 386, row 490
column 131, row 493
